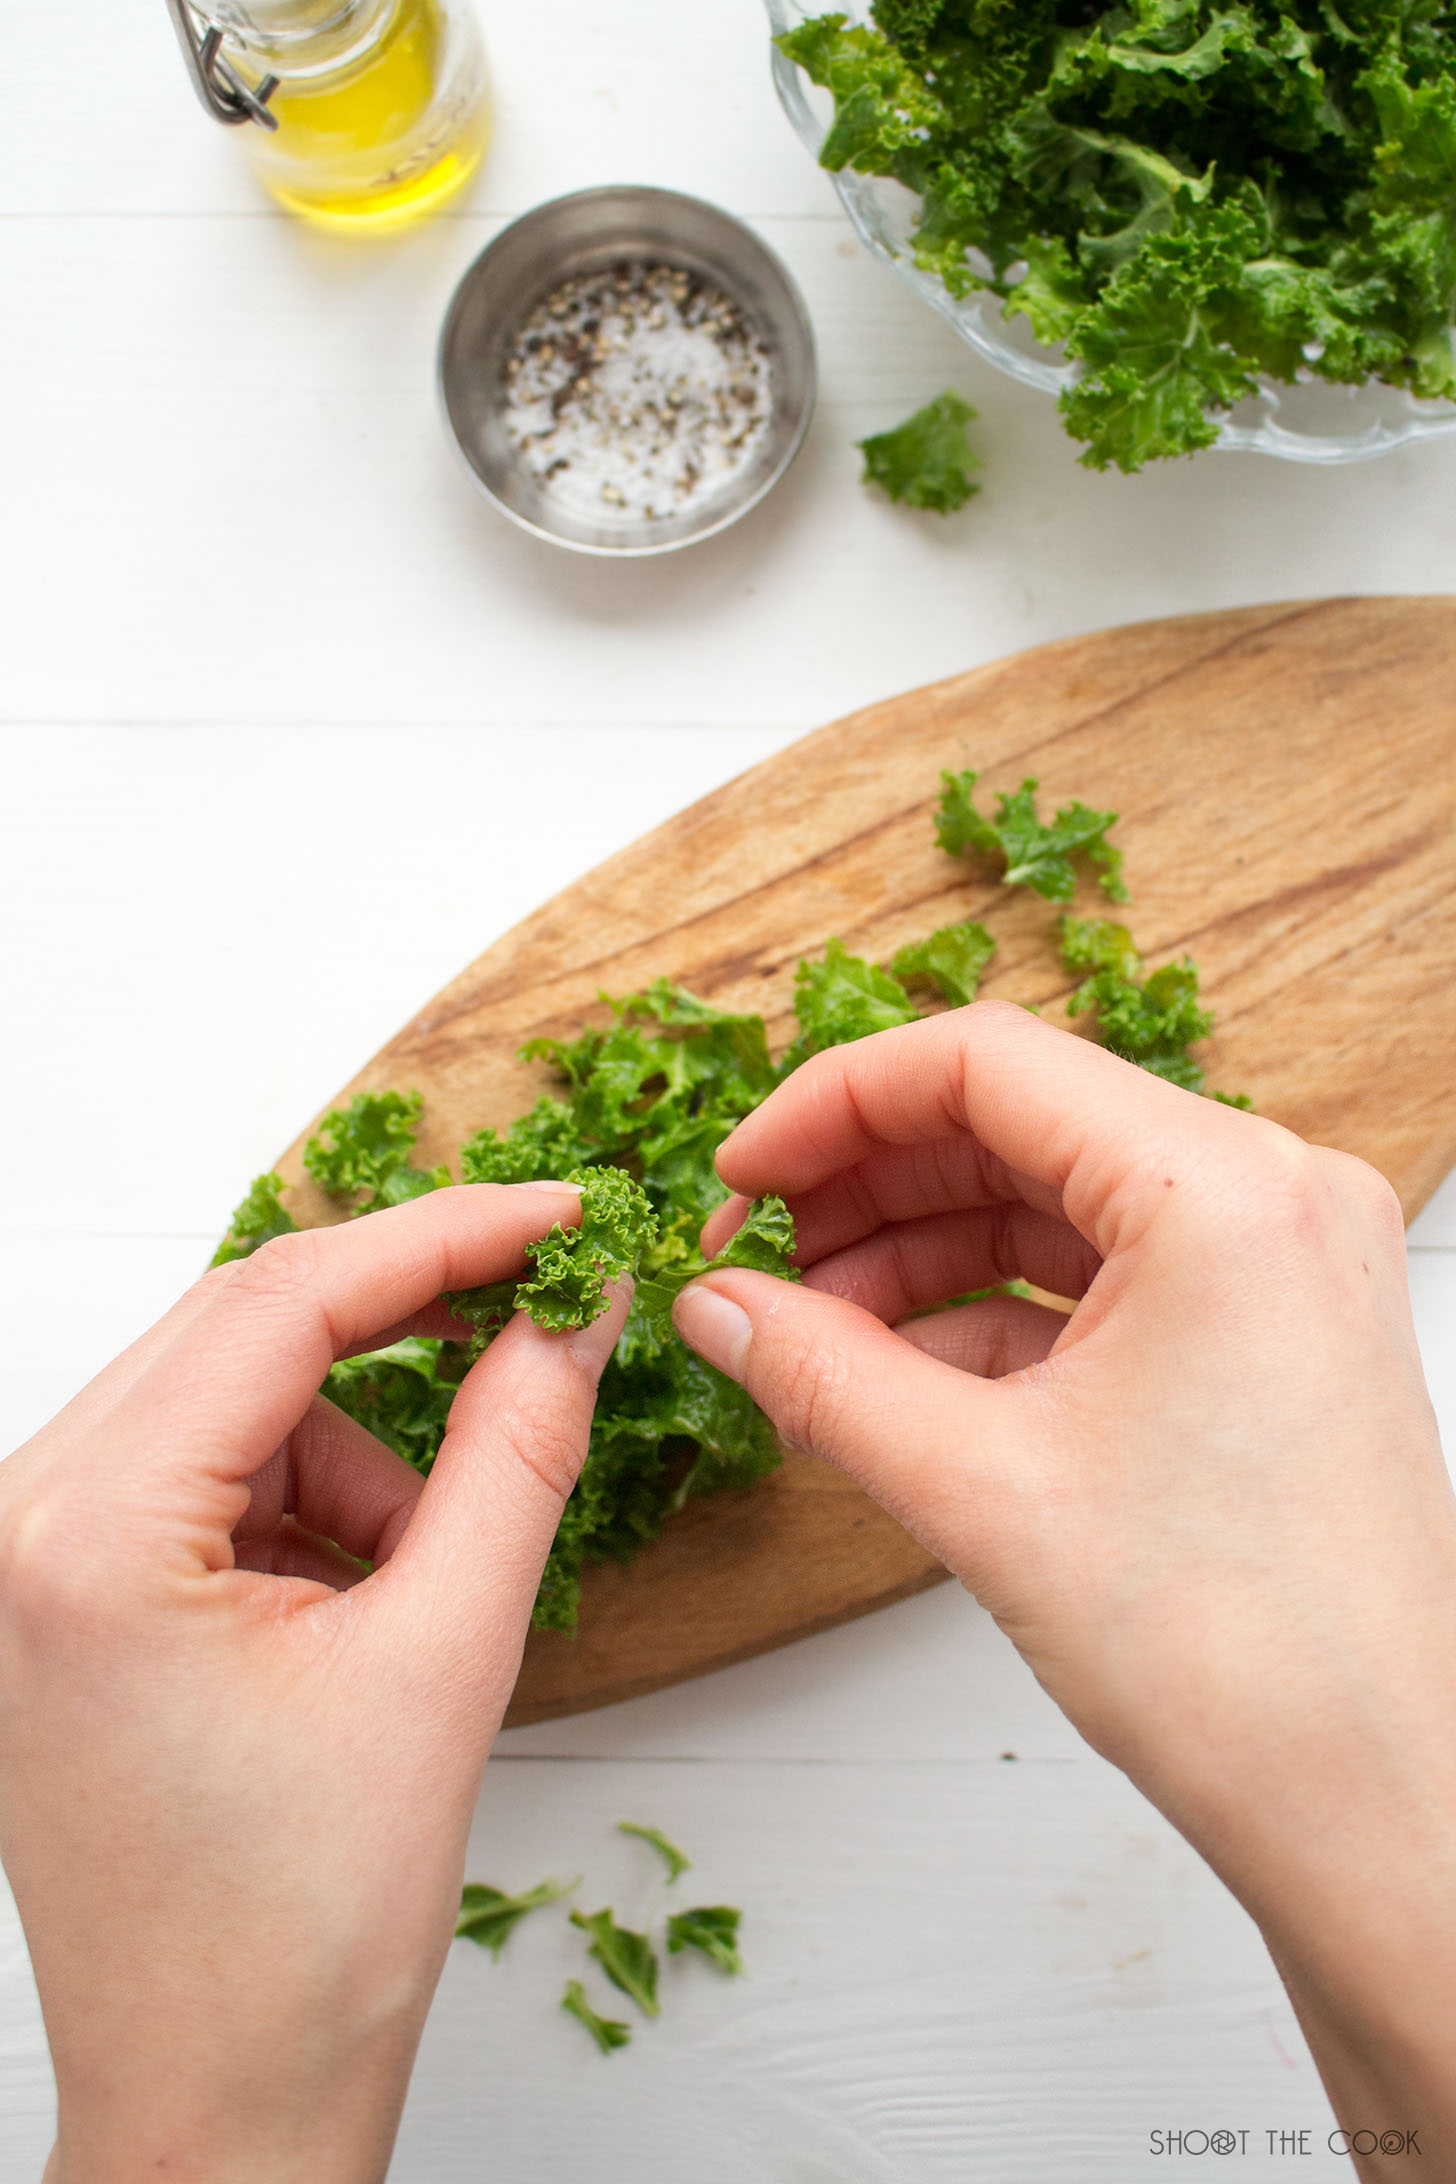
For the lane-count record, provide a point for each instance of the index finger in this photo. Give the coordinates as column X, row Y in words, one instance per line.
column 244, row 1365
column 1086, row 1127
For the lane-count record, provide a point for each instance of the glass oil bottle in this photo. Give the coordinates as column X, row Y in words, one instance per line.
column 366, row 113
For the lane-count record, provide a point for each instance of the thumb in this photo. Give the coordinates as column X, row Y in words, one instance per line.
column 457, row 1592
column 928, row 1441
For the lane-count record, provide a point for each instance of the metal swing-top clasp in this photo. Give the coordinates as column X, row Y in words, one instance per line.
column 215, row 80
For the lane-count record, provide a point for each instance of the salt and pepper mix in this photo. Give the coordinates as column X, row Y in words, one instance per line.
column 637, row 391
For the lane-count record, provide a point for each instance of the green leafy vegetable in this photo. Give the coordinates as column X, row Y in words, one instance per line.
column 675, row 1860
column 362, row 1152
column 257, row 1220
column 574, row 1267
column 842, row 997
column 713, row 1928
column 951, row 960
column 927, row 461
column 627, row 1959
column 1150, row 1021
column 490, row 1917
column 402, row 1394
column 608, row 2032
column 1186, row 193
column 1034, row 854
column 642, row 1104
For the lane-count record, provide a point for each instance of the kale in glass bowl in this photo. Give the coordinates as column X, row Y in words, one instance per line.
column 1200, row 225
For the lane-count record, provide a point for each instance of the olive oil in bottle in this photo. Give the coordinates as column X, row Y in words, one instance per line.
column 379, row 109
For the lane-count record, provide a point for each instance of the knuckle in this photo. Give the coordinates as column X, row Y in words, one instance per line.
column 46, row 1578
column 283, row 1267
column 540, row 1445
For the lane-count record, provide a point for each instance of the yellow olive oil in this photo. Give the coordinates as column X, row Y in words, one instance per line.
column 387, row 130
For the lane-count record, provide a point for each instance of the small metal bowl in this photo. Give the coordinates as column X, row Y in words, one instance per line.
column 585, row 233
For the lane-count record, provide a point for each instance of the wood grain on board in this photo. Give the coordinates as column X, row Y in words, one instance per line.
column 1286, row 779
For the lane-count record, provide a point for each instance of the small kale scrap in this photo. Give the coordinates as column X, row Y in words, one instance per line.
column 675, row 1860
column 1185, row 194
column 1033, row 853
column 711, row 1928
column 927, row 461
column 608, row 2032
column 629, row 1960
column 489, row 1917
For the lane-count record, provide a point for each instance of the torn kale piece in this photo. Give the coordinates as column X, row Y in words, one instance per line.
column 489, row 1916
column 362, row 1152
column 1033, row 853
column 675, row 1860
column 257, row 1220
column 628, row 1959
column 927, row 461
column 608, row 2032
column 711, row 1928
column 951, row 960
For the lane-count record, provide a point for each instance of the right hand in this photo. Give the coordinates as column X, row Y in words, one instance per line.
column 1210, row 1506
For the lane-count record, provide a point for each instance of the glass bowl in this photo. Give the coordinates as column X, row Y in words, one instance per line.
column 1310, row 420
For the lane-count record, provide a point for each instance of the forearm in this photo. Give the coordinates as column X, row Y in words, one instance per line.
column 1333, row 1819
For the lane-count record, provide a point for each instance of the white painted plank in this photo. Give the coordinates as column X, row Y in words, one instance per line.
column 223, row 926
column 261, row 515
column 1011, row 1971
column 101, row 118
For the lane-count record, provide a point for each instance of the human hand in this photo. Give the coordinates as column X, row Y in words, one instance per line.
column 1210, row 1507
column 237, row 1774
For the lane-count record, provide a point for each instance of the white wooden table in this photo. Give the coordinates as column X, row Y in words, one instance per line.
column 293, row 725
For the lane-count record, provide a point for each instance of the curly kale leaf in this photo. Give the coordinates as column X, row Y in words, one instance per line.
column 489, row 1917
column 256, row 1220
column 840, row 997
column 1150, row 1021
column 540, row 1145
column 362, row 1152
column 402, row 1394
column 927, row 461
column 1188, row 194
column 951, row 960
column 628, row 1959
column 1033, row 854
column 574, row 1267
column 711, row 1928
column 608, row 2032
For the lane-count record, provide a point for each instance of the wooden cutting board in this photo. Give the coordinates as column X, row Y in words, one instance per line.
column 1286, row 778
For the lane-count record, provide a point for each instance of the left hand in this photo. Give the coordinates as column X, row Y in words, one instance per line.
column 237, row 1774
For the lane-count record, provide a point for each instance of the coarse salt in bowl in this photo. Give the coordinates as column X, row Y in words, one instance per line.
column 626, row 370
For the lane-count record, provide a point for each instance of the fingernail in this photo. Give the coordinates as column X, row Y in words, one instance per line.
column 714, row 1326
column 543, row 1183
column 593, row 1344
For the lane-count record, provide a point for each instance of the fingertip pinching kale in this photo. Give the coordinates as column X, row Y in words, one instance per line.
column 927, row 461
column 1186, row 194
column 643, row 1103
